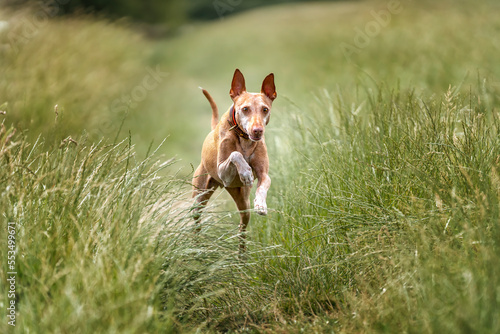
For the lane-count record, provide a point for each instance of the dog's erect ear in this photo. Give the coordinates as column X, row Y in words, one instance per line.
column 238, row 84
column 268, row 87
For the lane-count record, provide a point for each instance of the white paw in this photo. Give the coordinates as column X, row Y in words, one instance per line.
column 260, row 206
column 247, row 177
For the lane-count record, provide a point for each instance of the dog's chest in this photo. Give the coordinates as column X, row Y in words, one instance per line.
column 247, row 151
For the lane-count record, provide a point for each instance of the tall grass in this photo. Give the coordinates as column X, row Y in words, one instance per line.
column 387, row 222
column 402, row 204
column 90, row 223
column 384, row 206
column 105, row 241
column 382, row 222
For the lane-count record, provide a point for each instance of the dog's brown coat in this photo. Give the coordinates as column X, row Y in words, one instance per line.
column 231, row 161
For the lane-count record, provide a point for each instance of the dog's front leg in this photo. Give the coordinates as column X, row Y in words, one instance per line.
column 235, row 165
column 261, row 167
column 261, row 194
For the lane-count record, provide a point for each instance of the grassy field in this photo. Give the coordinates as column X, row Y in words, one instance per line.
column 385, row 157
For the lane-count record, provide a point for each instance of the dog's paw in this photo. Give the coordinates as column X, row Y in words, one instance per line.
column 260, row 206
column 247, row 177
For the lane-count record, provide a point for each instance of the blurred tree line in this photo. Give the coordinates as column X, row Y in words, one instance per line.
column 171, row 12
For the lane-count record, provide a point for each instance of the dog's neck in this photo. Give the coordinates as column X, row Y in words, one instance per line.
column 234, row 124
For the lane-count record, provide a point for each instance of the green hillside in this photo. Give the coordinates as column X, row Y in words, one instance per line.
column 384, row 144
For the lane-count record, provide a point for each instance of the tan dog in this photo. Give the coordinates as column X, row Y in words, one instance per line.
column 234, row 153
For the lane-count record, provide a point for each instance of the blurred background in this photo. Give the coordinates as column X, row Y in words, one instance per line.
column 384, row 149
column 110, row 68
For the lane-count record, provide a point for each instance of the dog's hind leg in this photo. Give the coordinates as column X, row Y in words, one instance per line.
column 203, row 188
column 242, row 200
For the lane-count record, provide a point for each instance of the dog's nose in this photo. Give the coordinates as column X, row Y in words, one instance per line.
column 257, row 131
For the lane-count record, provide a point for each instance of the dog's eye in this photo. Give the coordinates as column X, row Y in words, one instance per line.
column 265, row 110
column 244, row 109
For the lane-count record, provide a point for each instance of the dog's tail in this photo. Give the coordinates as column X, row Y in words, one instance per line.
column 215, row 111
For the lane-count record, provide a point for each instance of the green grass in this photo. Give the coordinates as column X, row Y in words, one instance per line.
column 385, row 167
column 401, row 212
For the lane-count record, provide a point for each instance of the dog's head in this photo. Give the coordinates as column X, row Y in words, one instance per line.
column 252, row 110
